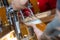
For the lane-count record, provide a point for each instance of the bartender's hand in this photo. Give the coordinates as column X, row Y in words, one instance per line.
column 18, row 4
column 36, row 30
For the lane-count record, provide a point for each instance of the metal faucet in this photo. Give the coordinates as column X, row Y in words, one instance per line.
column 13, row 19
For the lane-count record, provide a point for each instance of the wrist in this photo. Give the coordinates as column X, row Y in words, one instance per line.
column 38, row 32
column 34, row 27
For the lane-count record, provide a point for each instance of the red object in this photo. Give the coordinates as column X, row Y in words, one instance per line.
column 26, row 12
column 45, row 5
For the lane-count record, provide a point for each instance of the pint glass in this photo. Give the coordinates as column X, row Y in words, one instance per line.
column 31, row 19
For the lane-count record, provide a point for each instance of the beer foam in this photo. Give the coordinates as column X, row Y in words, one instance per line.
column 37, row 21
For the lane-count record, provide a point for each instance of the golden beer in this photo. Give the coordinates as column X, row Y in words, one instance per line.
column 3, row 14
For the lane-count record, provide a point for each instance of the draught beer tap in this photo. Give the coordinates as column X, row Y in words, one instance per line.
column 12, row 18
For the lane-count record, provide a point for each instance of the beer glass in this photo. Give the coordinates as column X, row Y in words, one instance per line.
column 32, row 20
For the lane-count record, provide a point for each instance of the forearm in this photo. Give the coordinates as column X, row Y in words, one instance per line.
column 40, row 35
column 37, row 32
column 17, row 4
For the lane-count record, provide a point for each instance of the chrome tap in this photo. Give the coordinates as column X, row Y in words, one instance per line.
column 13, row 19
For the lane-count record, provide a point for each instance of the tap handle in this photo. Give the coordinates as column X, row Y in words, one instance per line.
column 5, row 2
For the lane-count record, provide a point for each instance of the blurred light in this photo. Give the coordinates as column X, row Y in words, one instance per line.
column 9, row 36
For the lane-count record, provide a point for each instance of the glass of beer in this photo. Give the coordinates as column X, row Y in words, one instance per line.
column 32, row 20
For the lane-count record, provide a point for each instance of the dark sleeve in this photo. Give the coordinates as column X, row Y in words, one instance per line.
column 58, row 4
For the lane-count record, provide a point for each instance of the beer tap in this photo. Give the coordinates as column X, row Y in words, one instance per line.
column 13, row 18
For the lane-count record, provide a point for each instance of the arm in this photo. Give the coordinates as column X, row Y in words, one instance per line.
column 40, row 35
column 18, row 4
column 37, row 31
